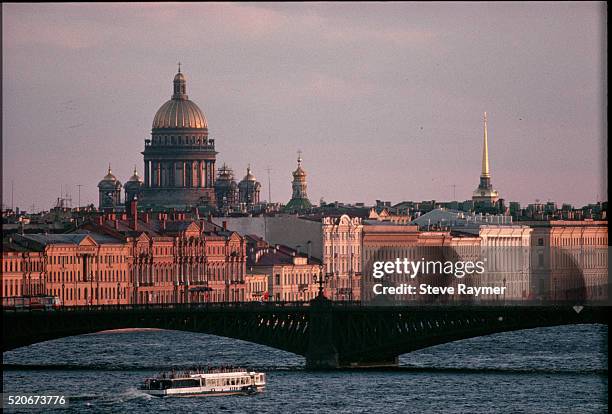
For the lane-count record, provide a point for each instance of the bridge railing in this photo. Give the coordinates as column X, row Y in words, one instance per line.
column 161, row 306
column 284, row 304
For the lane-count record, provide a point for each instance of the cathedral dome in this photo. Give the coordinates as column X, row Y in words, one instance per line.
column 179, row 112
column 135, row 177
column 249, row 175
column 109, row 180
column 109, row 177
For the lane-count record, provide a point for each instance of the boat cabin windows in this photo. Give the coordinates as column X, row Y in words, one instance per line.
column 221, row 382
column 159, row 384
column 185, row 383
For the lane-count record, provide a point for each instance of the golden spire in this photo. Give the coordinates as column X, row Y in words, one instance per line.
column 485, row 151
column 109, row 169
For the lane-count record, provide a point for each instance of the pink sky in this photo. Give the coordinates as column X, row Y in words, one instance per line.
column 384, row 99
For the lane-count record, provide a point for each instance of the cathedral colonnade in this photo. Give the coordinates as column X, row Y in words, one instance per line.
column 179, row 173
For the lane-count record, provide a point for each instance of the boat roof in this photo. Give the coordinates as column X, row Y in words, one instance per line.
column 222, row 374
column 205, row 374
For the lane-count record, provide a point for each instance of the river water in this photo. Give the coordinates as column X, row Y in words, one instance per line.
column 545, row 370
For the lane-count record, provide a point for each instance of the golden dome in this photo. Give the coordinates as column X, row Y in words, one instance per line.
column 179, row 112
column 249, row 175
column 299, row 172
column 109, row 180
column 135, row 177
column 109, row 175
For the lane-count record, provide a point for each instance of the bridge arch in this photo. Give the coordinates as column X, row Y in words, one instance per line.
column 329, row 336
column 267, row 326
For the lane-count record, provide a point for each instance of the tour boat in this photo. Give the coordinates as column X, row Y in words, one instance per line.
column 215, row 381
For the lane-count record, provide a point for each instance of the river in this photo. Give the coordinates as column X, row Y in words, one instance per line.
column 545, row 370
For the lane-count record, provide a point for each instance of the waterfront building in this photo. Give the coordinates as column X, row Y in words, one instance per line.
column 570, row 260
column 135, row 258
column 387, row 242
column 290, row 275
column 256, row 288
column 506, row 249
column 342, row 256
column 79, row 269
column 504, row 244
column 336, row 241
column 178, row 259
column 179, row 159
column 485, row 193
column 23, row 271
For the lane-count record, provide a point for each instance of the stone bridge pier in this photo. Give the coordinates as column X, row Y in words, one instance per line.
column 355, row 336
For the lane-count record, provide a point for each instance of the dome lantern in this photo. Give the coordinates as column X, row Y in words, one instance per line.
column 179, row 112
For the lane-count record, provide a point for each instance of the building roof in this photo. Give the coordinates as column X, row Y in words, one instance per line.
column 154, row 227
column 298, row 204
column 454, row 218
column 99, row 237
column 45, row 239
column 283, row 255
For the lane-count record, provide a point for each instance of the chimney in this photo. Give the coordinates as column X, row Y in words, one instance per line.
column 146, row 217
column 134, row 213
column 100, row 220
column 210, row 217
column 162, row 221
column 116, row 222
column 224, row 225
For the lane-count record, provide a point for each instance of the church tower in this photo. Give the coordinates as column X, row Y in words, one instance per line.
column 132, row 188
column 248, row 189
column 485, row 193
column 109, row 190
column 299, row 200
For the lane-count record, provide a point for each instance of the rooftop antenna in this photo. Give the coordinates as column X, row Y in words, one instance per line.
column 269, row 186
column 179, row 67
column 79, row 187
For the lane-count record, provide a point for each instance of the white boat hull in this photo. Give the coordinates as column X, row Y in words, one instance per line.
column 204, row 391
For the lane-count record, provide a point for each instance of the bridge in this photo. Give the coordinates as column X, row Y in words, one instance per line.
column 329, row 334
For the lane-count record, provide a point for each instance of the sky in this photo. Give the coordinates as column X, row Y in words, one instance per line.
column 385, row 100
